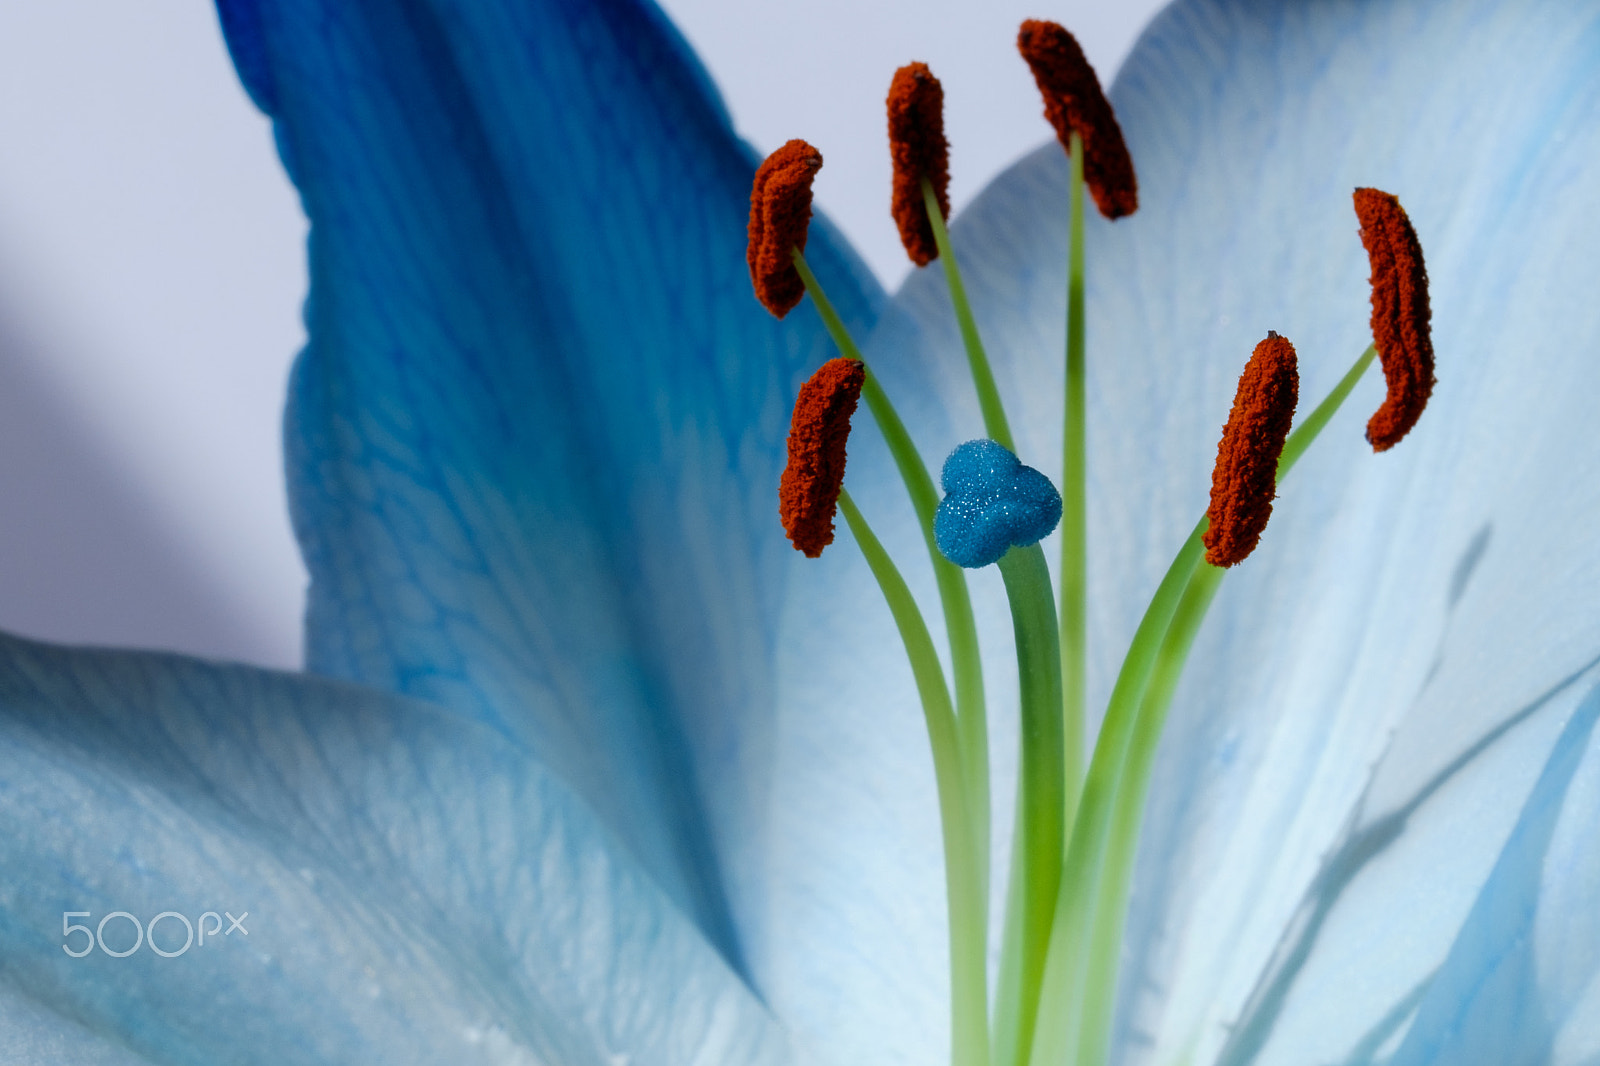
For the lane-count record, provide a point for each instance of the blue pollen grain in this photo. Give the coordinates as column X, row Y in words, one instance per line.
column 992, row 504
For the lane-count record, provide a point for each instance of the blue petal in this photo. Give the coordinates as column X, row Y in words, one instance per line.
column 1379, row 688
column 1517, row 979
column 535, row 438
column 1248, row 126
column 418, row 890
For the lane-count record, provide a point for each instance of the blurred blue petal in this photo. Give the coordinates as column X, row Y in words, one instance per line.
column 534, row 440
column 418, row 889
column 1380, row 688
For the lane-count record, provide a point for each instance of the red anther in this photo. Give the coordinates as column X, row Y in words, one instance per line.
column 919, row 150
column 1074, row 103
column 780, row 212
column 1400, row 315
column 808, row 495
column 1246, row 474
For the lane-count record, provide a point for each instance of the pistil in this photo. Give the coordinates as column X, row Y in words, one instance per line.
column 996, row 510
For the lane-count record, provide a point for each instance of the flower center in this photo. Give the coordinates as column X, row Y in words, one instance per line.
column 1075, row 827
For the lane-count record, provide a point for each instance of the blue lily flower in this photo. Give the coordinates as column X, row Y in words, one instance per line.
column 590, row 767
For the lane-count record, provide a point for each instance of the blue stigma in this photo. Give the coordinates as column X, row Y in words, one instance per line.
column 992, row 503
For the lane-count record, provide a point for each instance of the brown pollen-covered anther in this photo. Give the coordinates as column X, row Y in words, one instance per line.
column 808, row 494
column 1074, row 103
column 1400, row 315
column 1246, row 474
column 919, row 150
column 780, row 213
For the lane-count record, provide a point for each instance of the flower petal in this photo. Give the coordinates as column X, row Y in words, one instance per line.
column 1380, row 688
column 1514, row 984
column 31, row 1033
column 535, row 438
column 417, row 889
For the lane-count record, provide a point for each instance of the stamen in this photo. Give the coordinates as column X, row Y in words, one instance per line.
column 808, row 494
column 919, row 150
column 1400, row 315
column 1074, row 103
column 1245, row 477
column 780, row 211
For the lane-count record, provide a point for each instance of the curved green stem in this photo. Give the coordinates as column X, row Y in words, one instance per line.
column 1042, row 790
column 1110, row 907
column 1109, row 895
column 1066, row 964
column 965, row 661
column 830, row 318
column 974, row 726
column 969, row 1005
column 1307, row 431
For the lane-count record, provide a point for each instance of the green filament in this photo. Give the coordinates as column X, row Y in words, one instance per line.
column 994, row 415
column 1091, row 1006
column 1066, row 965
column 962, row 630
column 955, row 602
column 969, row 1034
column 975, row 730
column 1075, row 841
column 1074, row 496
column 1110, row 908
column 1307, row 431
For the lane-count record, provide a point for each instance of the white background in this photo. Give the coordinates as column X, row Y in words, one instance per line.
column 151, row 273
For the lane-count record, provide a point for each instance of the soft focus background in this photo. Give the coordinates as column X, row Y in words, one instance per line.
column 151, row 273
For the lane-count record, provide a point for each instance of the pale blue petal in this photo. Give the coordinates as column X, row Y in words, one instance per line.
column 535, row 438
column 418, row 889
column 1529, row 951
column 1381, row 686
